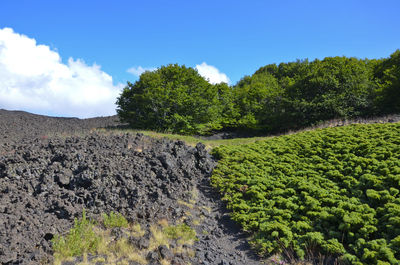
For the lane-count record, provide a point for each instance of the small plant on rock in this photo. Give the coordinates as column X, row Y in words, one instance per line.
column 80, row 239
column 114, row 220
column 183, row 233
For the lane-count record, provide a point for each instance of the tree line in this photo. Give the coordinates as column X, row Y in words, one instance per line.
column 275, row 98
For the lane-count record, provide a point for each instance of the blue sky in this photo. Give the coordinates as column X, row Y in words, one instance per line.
column 236, row 37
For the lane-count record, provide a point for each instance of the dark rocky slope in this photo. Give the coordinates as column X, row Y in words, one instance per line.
column 47, row 181
column 16, row 126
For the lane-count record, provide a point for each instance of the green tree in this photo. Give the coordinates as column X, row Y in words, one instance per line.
column 388, row 78
column 229, row 111
column 339, row 87
column 257, row 98
column 173, row 99
column 275, row 98
column 301, row 93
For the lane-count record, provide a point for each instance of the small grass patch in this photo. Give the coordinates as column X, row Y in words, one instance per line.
column 123, row 249
column 189, row 140
column 114, row 220
column 208, row 209
column 183, row 233
column 88, row 237
column 158, row 238
column 163, row 222
column 165, row 262
column 136, row 230
column 194, row 195
column 187, row 204
column 196, row 222
column 80, row 239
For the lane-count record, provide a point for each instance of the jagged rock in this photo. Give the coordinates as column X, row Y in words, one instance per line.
column 96, row 172
column 165, row 253
column 153, row 256
column 46, row 182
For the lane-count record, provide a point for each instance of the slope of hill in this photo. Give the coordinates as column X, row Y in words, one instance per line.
column 328, row 195
column 18, row 125
column 51, row 169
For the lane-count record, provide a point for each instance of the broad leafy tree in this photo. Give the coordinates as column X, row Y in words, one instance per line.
column 172, row 98
column 275, row 98
column 388, row 78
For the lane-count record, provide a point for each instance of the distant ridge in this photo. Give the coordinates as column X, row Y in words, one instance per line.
column 24, row 125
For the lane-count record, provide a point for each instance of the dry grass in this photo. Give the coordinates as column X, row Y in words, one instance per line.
column 165, row 262
column 196, row 222
column 187, row 204
column 163, row 222
column 158, row 238
column 185, row 251
column 136, row 230
column 121, row 251
column 208, row 209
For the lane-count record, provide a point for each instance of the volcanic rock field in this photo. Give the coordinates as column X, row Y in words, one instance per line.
column 52, row 169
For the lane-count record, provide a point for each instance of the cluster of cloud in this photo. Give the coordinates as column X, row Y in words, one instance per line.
column 212, row 74
column 137, row 71
column 34, row 78
column 209, row 72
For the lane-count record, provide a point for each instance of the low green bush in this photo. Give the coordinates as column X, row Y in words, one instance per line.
column 114, row 220
column 182, row 232
column 334, row 191
column 79, row 240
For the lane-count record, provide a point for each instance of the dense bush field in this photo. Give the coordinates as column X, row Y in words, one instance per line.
column 333, row 191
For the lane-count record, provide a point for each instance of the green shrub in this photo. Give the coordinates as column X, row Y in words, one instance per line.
column 114, row 220
column 79, row 240
column 182, row 232
column 335, row 191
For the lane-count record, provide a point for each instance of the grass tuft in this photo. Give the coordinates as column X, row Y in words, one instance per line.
column 183, row 233
column 136, row 230
column 87, row 237
column 80, row 239
column 158, row 238
column 114, row 220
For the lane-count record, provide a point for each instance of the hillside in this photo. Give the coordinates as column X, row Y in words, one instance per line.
column 19, row 125
column 51, row 169
column 328, row 196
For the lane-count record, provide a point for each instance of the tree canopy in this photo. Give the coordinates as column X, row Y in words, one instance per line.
column 275, row 98
column 172, row 98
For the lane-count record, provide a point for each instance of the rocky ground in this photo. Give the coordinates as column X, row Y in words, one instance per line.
column 53, row 168
column 16, row 126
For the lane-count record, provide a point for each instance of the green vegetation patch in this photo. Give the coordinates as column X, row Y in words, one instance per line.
column 276, row 98
column 114, row 220
column 333, row 191
column 182, row 233
column 96, row 238
column 176, row 99
column 80, row 239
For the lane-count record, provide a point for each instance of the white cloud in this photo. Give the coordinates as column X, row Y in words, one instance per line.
column 137, row 71
column 212, row 74
column 34, row 78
